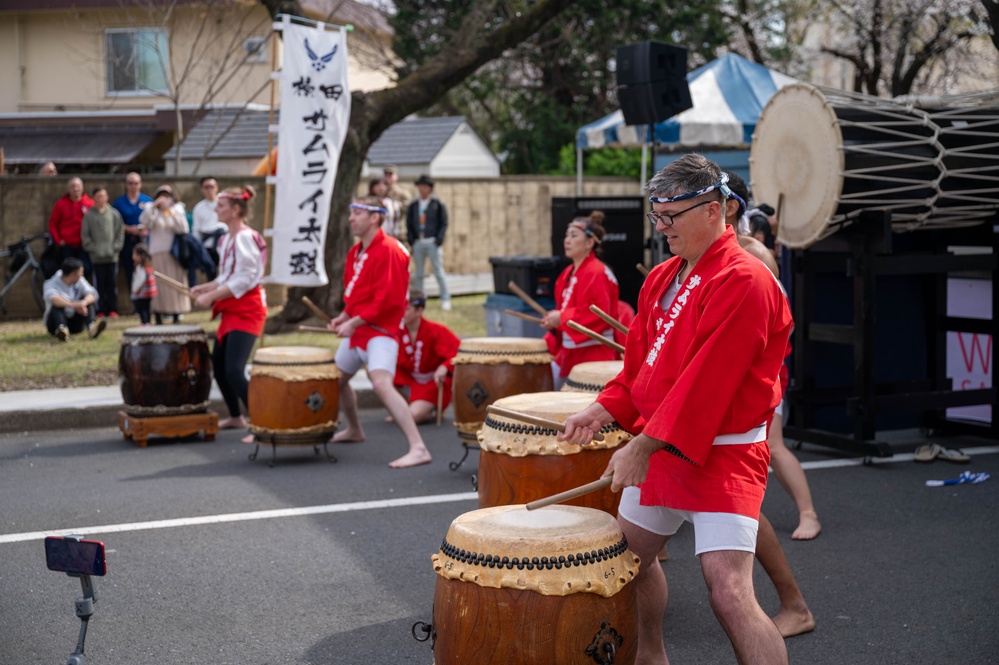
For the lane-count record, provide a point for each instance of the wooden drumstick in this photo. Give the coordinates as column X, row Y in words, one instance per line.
column 440, row 403
column 607, row 318
column 533, row 420
column 526, row 298
column 315, row 309
column 315, row 329
column 521, row 315
column 595, row 335
column 568, row 495
column 174, row 284
column 642, row 269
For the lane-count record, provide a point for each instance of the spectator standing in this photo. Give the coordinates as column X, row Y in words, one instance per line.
column 378, row 188
column 130, row 205
column 143, row 285
column 69, row 302
column 163, row 220
column 426, row 224
column 66, row 222
column 206, row 226
column 103, row 236
column 48, row 169
column 400, row 197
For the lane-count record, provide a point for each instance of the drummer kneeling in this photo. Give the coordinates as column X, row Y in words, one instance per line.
column 426, row 351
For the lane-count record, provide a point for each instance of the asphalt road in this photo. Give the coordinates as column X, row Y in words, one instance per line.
column 203, row 570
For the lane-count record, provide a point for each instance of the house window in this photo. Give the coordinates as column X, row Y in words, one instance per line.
column 255, row 49
column 136, row 61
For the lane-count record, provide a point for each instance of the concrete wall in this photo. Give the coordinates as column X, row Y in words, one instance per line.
column 502, row 216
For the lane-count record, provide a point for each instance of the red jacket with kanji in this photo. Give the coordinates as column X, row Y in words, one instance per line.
column 701, row 376
column 593, row 283
column 66, row 220
column 434, row 345
column 376, row 287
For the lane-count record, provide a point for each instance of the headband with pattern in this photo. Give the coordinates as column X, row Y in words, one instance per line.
column 242, row 196
column 365, row 206
column 582, row 227
column 721, row 185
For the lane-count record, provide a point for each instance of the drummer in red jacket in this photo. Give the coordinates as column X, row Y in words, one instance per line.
column 426, row 350
column 588, row 281
column 375, row 278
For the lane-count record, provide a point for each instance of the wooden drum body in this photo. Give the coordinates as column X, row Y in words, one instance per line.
column 165, row 370
column 521, row 463
column 488, row 368
column 591, row 377
column 544, row 587
column 294, row 395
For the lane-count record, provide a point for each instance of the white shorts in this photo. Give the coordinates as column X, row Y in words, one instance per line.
column 779, row 411
column 712, row 531
column 382, row 353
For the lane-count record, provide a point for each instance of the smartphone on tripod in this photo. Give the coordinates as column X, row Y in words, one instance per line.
column 75, row 556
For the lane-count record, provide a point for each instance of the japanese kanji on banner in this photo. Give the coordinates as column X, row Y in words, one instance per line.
column 315, row 109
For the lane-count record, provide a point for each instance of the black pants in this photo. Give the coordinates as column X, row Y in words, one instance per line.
column 76, row 324
column 106, row 281
column 229, row 359
column 142, row 308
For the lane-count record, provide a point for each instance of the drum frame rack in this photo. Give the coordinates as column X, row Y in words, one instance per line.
column 863, row 251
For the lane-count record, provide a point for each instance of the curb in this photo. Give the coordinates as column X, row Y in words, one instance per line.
column 106, row 415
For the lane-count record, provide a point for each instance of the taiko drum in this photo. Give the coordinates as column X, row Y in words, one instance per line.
column 544, row 587
column 520, row 463
column 488, row 368
column 294, row 395
column 591, row 377
column 165, row 370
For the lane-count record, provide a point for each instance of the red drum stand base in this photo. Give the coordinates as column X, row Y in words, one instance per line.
column 138, row 429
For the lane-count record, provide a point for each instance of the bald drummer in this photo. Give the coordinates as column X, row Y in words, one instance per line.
column 700, row 384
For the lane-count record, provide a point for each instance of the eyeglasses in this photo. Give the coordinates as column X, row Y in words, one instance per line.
column 133, row 182
column 660, row 218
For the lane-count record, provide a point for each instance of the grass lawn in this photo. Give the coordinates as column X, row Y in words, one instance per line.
column 31, row 359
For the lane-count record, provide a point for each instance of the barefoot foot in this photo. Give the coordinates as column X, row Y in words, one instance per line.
column 412, row 458
column 808, row 526
column 389, row 419
column 348, row 436
column 794, row 622
column 238, row 422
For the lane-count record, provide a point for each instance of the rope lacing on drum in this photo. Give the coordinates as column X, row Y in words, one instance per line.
column 534, row 430
column 673, row 450
column 544, row 562
column 586, row 387
column 307, row 363
column 493, row 352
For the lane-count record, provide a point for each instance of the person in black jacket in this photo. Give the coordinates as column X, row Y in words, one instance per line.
column 426, row 224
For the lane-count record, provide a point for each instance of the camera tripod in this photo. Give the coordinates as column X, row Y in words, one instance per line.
column 84, row 609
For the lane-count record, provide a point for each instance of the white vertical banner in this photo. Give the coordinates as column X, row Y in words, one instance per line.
column 315, row 110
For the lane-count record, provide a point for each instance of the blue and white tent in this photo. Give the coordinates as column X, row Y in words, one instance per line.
column 728, row 95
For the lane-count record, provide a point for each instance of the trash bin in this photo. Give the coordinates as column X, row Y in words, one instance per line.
column 536, row 275
column 501, row 324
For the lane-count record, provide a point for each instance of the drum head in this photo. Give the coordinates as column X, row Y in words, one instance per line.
column 796, row 163
column 556, row 551
column 492, row 350
column 164, row 331
column 292, row 355
column 592, row 376
column 513, row 437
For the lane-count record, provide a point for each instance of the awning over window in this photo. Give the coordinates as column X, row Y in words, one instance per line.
column 104, row 144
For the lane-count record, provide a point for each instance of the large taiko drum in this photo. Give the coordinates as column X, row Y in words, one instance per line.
column 544, row 587
column 821, row 158
column 591, row 377
column 520, row 463
column 488, row 368
column 294, row 395
column 165, row 370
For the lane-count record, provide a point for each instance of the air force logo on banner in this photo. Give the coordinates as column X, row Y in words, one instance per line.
column 318, row 61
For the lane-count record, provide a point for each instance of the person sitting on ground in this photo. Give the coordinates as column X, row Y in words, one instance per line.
column 426, row 350
column 70, row 302
column 375, row 280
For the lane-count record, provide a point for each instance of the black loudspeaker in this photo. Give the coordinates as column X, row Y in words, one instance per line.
column 624, row 242
column 652, row 82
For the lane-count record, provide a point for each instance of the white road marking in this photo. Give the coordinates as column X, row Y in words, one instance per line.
column 370, row 505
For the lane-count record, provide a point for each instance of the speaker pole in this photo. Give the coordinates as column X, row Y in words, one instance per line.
column 579, row 171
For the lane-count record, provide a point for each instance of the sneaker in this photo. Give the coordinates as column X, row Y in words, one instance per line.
column 446, row 305
column 97, row 327
column 62, row 334
column 113, row 315
column 100, row 315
